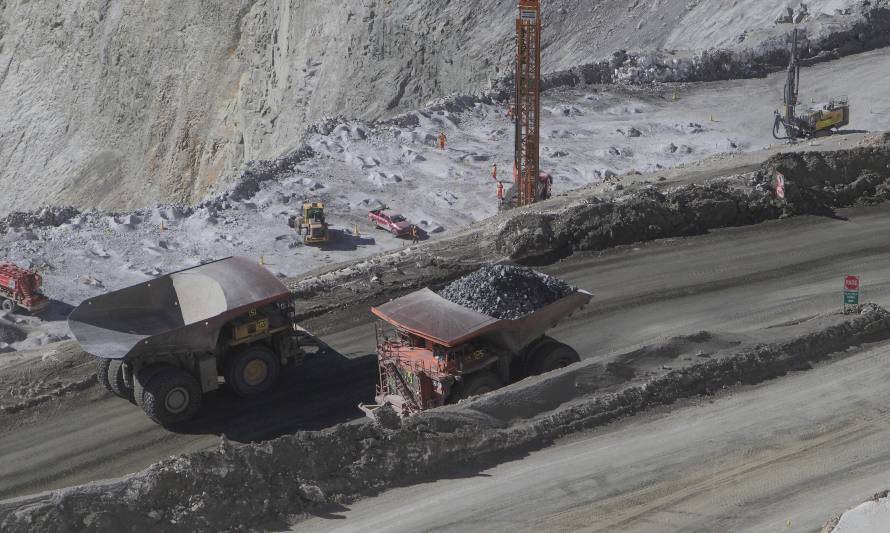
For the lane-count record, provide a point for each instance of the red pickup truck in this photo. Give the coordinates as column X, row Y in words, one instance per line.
column 390, row 221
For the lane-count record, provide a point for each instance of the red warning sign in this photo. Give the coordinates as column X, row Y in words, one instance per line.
column 851, row 283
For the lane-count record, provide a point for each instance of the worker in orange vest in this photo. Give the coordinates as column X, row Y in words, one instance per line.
column 494, row 172
column 510, row 111
column 414, row 237
column 500, row 191
column 442, row 140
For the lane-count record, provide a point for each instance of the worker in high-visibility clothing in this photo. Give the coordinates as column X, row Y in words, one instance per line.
column 494, row 172
column 442, row 139
column 500, row 191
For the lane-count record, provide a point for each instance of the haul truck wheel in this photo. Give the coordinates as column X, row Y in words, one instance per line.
column 102, row 372
column 167, row 394
column 551, row 356
column 117, row 382
column 142, row 377
column 252, row 370
column 477, row 384
column 7, row 305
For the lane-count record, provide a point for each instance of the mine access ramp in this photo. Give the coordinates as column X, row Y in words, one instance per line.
column 436, row 351
column 165, row 342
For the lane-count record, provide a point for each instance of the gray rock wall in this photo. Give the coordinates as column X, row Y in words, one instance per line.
column 119, row 104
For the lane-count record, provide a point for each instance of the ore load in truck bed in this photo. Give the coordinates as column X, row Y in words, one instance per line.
column 506, row 292
column 451, row 324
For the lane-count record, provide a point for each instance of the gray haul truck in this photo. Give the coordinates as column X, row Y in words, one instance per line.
column 162, row 344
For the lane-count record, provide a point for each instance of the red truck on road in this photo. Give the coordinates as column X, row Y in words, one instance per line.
column 20, row 288
column 390, row 221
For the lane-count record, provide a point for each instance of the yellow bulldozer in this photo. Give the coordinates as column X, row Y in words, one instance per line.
column 311, row 224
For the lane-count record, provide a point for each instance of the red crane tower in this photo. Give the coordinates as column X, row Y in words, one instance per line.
column 527, row 107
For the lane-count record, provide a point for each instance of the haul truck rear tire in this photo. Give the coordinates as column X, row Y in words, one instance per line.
column 7, row 305
column 252, row 370
column 102, row 373
column 477, row 384
column 167, row 394
column 117, row 382
column 552, row 355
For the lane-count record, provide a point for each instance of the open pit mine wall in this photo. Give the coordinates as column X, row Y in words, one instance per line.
column 120, row 104
column 117, row 104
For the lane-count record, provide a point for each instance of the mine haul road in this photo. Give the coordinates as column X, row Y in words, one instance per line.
column 780, row 456
column 732, row 280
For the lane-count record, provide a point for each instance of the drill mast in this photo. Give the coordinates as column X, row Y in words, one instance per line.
column 791, row 85
column 527, row 110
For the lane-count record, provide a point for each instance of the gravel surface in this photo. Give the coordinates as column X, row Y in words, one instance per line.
column 506, row 291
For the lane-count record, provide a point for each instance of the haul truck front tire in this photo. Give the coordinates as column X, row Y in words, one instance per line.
column 167, row 394
column 252, row 370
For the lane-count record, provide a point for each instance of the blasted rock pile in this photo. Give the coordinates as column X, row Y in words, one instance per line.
column 259, row 171
column 506, row 291
column 44, row 218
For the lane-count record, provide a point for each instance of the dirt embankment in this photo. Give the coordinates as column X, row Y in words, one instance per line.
column 261, row 485
column 815, row 183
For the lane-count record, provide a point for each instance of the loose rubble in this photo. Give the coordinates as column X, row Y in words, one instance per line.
column 506, row 291
column 44, row 218
column 816, row 183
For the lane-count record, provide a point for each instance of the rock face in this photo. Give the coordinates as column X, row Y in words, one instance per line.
column 123, row 104
column 119, row 105
column 506, row 291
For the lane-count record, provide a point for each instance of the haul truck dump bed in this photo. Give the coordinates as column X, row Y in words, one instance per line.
column 164, row 342
column 439, row 351
column 184, row 310
column 427, row 314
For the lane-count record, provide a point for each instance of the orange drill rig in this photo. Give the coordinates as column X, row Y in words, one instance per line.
column 530, row 185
